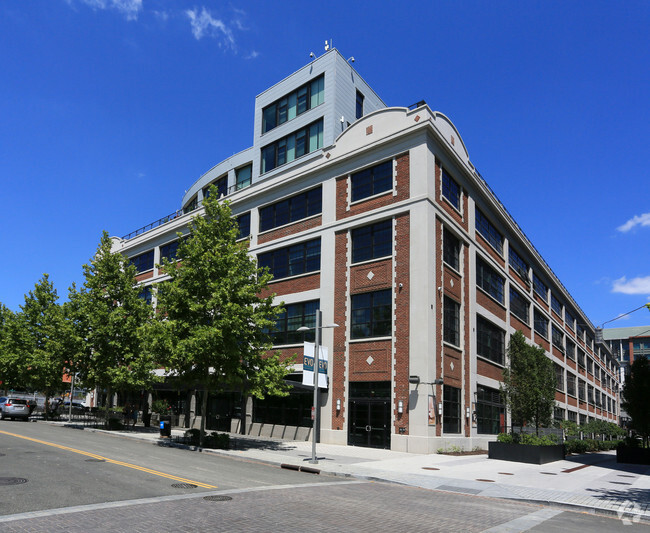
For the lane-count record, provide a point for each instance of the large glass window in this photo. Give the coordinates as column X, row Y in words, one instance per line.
column 569, row 319
column 490, row 340
column 518, row 264
column 221, row 185
column 490, row 233
column 372, row 180
column 556, row 305
column 146, row 294
column 488, row 280
column 451, row 321
column 557, row 337
column 293, row 146
column 295, row 316
column 540, row 287
column 371, row 314
column 570, row 350
column 559, row 377
column 571, row 384
column 244, row 225
column 490, row 411
column 143, row 262
column 168, row 251
column 292, row 209
column 519, row 306
column 451, row 409
column 372, row 242
column 243, row 176
column 581, row 358
column 451, row 249
column 304, row 98
column 292, row 260
column 541, row 324
column 450, row 189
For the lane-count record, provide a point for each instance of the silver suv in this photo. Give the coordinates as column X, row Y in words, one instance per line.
column 13, row 408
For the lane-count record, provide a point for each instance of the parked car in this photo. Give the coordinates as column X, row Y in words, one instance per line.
column 13, row 408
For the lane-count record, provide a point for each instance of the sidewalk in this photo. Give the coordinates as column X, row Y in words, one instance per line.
column 589, row 483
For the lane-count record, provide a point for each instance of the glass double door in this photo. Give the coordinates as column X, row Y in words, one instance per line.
column 369, row 409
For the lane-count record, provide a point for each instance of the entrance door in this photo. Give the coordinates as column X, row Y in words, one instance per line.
column 369, row 408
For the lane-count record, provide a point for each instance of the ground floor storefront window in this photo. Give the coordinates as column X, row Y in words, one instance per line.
column 490, row 411
column 451, row 410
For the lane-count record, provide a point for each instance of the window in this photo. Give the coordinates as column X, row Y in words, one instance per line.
column 359, row 105
column 292, row 209
column 142, row 262
column 519, row 306
column 580, row 332
column 556, row 305
column 518, row 264
column 559, row 376
column 191, row 206
column 293, row 146
column 490, row 340
column 371, row 242
column 558, row 414
column 570, row 350
column 450, row 189
column 541, row 324
column 373, row 180
column 451, row 322
column 569, row 319
column 244, row 225
column 581, row 358
column 303, row 99
column 490, row 411
column 557, row 337
column 451, row 249
column 590, row 365
column 582, row 395
column 572, row 415
column 292, row 260
column 243, row 176
column 294, row 317
column 570, row 384
column 488, row 280
column 145, row 294
column 371, row 314
column 489, row 231
column 168, row 251
column 221, row 185
column 540, row 287
column 451, row 410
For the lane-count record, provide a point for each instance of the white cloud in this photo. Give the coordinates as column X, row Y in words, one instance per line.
column 129, row 8
column 205, row 25
column 638, row 220
column 253, row 54
column 632, row 286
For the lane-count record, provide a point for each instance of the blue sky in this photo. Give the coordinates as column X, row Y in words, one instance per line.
column 110, row 109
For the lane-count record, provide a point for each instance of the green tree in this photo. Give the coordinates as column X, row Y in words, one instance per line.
column 214, row 321
column 636, row 397
column 12, row 366
column 529, row 383
column 109, row 319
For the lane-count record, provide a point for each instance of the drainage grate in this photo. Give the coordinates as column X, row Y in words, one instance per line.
column 217, row 498
column 183, row 486
column 12, row 480
column 95, row 460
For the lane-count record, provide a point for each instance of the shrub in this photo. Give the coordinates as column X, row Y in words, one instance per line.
column 505, row 437
column 525, row 438
column 115, row 424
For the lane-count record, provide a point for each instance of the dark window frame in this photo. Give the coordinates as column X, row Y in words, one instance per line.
column 518, row 264
column 519, row 304
column 450, row 189
column 557, row 337
column 371, row 314
column 295, row 260
column 293, row 317
column 490, row 411
column 243, row 225
column 489, row 231
column 370, row 242
column 451, row 409
column 489, row 280
column 451, row 247
column 371, row 181
column 490, row 341
column 359, row 104
column 289, row 210
column 143, row 262
column 280, row 108
column 540, row 288
column 275, row 154
column 451, row 321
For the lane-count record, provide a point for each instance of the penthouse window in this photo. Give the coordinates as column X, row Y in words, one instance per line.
column 450, row 189
column 221, row 186
column 540, row 287
column 373, row 180
column 168, row 251
column 243, row 225
column 488, row 280
column 294, row 317
column 519, row 306
column 292, row 260
column 359, row 105
column 451, row 249
column 371, row 314
column 243, row 176
column 142, row 262
column 557, row 337
column 451, row 322
column 303, row 99
column 541, row 324
column 293, row 146
column 518, row 264
column 372, row 242
column 556, row 305
column 490, row 340
column 489, row 232
column 292, row 209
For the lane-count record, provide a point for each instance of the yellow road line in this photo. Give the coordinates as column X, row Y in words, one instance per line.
column 113, row 461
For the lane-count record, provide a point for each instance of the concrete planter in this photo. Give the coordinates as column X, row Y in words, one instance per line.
column 525, row 453
column 634, row 456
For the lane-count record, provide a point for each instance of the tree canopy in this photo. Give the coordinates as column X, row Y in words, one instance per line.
column 529, row 383
column 636, row 397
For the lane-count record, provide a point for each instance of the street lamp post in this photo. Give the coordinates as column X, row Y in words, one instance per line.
column 317, row 342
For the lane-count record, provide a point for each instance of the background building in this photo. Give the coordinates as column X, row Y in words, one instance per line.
column 378, row 217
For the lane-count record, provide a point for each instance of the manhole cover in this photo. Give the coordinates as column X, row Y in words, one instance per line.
column 183, row 486
column 12, row 480
column 95, row 460
column 217, row 498
column 428, row 467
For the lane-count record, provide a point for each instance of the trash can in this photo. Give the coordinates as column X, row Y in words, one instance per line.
column 165, row 428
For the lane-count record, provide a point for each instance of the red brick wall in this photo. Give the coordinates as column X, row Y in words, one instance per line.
column 340, row 333
column 379, row 354
column 292, row 285
column 381, row 276
column 490, row 251
column 520, row 326
column 461, row 218
column 144, row 275
column 490, row 304
column 489, row 370
column 402, row 320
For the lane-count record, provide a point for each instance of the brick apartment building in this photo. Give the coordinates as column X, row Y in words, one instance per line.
column 377, row 216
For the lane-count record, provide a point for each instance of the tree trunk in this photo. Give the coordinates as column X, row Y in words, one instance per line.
column 244, row 402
